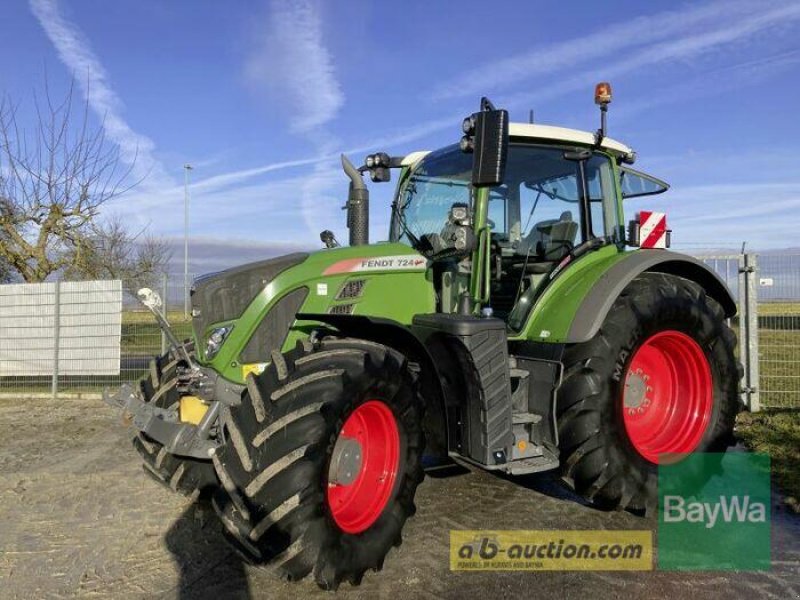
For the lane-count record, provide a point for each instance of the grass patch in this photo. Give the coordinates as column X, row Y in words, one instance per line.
column 777, row 433
column 145, row 316
column 142, row 335
column 778, row 308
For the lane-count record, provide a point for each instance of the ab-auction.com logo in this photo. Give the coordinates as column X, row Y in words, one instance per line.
column 714, row 512
column 489, row 548
column 551, row 550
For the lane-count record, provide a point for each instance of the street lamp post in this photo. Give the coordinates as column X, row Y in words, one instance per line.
column 186, row 168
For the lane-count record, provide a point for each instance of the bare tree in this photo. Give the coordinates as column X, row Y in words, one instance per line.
column 53, row 182
column 6, row 272
column 111, row 251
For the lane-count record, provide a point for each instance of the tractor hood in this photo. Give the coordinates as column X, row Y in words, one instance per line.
column 223, row 296
column 251, row 309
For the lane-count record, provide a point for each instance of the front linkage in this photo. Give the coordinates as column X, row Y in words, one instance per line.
column 163, row 425
column 175, row 410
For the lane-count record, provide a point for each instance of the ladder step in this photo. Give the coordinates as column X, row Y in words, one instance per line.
column 534, row 464
column 520, row 418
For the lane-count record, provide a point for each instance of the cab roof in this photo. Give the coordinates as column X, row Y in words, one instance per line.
column 550, row 133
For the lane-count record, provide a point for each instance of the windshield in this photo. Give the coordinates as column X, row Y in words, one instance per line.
column 541, row 189
column 441, row 179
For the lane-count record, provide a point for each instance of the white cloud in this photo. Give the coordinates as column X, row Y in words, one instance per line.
column 675, row 49
column 329, row 153
column 734, row 22
column 612, row 40
column 290, row 63
column 235, row 177
column 77, row 55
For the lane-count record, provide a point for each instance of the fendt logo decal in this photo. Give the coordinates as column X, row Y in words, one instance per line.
column 410, row 262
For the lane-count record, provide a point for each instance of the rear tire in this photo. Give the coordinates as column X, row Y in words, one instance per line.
column 280, row 503
column 191, row 477
column 665, row 341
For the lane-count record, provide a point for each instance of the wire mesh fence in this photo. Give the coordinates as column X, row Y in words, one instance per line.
column 779, row 329
column 767, row 288
column 99, row 335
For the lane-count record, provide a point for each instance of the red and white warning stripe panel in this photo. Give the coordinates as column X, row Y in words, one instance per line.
column 652, row 229
column 411, row 262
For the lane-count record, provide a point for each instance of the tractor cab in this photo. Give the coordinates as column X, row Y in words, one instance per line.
column 556, row 196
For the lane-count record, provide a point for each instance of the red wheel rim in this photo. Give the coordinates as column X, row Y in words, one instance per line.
column 668, row 396
column 364, row 466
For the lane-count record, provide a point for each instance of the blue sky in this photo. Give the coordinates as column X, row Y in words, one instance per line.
column 261, row 96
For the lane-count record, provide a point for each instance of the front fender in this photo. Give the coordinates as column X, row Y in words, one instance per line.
column 400, row 337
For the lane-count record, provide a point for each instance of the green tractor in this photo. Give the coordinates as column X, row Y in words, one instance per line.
column 505, row 325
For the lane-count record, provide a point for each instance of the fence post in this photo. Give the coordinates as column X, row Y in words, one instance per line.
column 748, row 328
column 56, row 336
column 164, row 297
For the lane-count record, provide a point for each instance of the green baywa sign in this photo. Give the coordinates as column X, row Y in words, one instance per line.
column 714, row 513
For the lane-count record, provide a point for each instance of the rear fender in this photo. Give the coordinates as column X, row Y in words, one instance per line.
column 574, row 305
column 596, row 304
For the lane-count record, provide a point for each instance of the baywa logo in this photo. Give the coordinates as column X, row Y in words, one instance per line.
column 714, row 512
column 730, row 509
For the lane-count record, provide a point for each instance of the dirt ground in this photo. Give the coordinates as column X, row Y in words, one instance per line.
column 79, row 518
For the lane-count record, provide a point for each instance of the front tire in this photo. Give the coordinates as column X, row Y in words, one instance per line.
column 322, row 460
column 658, row 381
column 188, row 476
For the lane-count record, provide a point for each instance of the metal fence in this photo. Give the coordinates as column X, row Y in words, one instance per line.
column 778, row 296
column 766, row 286
column 767, row 289
column 94, row 343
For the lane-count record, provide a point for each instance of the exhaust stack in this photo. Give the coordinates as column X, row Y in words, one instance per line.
column 357, row 205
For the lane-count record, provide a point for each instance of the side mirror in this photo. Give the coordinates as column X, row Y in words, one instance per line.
column 486, row 136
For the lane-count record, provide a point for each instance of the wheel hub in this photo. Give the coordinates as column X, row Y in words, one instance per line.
column 345, row 461
column 363, row 467
column 668, row 396
column 636, row 390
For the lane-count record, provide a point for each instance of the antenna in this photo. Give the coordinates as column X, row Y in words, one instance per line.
column 530, row 117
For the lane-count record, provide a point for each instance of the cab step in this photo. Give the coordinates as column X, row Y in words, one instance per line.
column 534, row 464
column 525, row 418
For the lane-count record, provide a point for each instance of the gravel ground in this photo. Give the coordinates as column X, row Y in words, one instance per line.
column 79, row 518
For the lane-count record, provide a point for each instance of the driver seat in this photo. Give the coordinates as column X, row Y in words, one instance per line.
column 548, row 241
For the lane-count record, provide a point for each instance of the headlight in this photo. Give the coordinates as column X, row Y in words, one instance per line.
column 216, row 339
